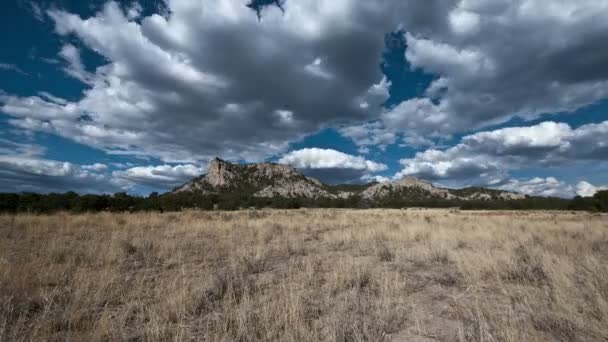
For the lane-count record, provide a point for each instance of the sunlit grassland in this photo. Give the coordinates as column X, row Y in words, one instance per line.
column 305, row 275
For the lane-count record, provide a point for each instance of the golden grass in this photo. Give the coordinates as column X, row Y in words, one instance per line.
column 305, row 275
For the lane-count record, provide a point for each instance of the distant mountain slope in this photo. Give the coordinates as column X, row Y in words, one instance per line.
column 416, row 189
column 278, row 180
column 259, row 180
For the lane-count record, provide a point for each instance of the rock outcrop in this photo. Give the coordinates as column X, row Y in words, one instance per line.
column 278, row 180
column 417, row 189
column 259, row 180
column 408, row 186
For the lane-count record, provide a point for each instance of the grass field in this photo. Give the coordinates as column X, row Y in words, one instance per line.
column 305, row 275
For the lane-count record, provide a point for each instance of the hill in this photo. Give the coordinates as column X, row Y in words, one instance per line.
column 270, row 180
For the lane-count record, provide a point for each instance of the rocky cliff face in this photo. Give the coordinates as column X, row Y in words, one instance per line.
column 409, row 186
column 260, row 180
column 272, row 180
column 417, row 189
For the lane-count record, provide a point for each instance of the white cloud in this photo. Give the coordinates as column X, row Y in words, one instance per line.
column 332, row 166
column 27, row 173
column 23, row 168
column 39, row 110
column 75, row 68
column 441, row 58
column 415, row 116
column 286, row 116
column 207, row 78
column 12, row 148
column 369, row 134
column 546, row 134
column 504, row 60
column 547, row 187
column 496, row 60
column 487, row 156
column 170, row 78
column 52, row 98
column 160, row 176
column 376, row 178
column 464, row 22
column 317, row 158
column 586, row 189
column 134, row 12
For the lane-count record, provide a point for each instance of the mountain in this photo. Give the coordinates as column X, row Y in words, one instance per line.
column 278, row 180
column 416, row 189
column 258, row 180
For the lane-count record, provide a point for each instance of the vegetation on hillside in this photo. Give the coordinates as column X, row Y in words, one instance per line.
column 239, row 198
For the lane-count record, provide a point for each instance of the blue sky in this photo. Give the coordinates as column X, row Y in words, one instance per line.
column 137, row 96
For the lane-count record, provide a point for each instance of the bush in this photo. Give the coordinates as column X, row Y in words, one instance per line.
column 234, row 200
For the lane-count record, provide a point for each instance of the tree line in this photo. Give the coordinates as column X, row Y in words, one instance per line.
column 120, row 202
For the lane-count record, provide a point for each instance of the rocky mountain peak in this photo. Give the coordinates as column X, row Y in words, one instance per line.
column 220, row 172
column 413, row 181
column 260, row 179
column 267, row 169
column 408, row 185
column 280, row 180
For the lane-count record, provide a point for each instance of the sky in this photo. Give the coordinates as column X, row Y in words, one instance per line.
column 109, row 96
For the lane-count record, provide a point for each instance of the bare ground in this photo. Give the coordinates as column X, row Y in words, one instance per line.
column 305, row 275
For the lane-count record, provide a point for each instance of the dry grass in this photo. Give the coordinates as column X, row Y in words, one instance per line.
column 305, row 275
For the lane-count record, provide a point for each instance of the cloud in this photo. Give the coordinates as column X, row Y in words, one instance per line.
column 37, row 11
column 497, row 60
column 12, row 148
column 35, row 174
column 585, row 189
column 12, row 67
column 75, row 68
column 378, row 179
column 369, row 134
column 161, row 176
column 317, row 158
column 486, row 157
column 98, row 167
column 208, row 78
column 547, row 187
column 332, row 166
column 23, row 168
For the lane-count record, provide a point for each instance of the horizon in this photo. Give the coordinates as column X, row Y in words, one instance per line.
column 138, row 96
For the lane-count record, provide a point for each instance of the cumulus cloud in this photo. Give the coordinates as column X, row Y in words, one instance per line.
column 495, row 60
column 369, row 134
column 161, row 176
column 486, row 157
column 22, row 173
column 547, row 187
column 223, row 74
column 586, row 189
column 208, row 78
column 332, row 166
column 24, row 168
